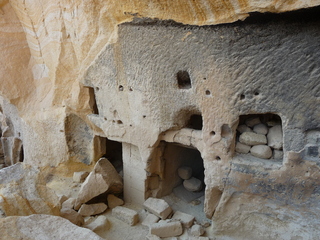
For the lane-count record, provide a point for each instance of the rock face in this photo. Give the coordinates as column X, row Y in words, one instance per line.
column 104, row 178
column 23, row 191
column 43, row 227
column 79, row 75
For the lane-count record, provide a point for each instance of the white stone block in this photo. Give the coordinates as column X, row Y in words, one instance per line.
column 186, row 219
column 158, row 207
column 251, row 138
column 150, row 219
column 126, row 215
column 185, row 172
column 166, row 229
column 192, row 184
column 261, row 151
column 275, row 137
column 79, row 177
column 261, row 129
column 242, row 148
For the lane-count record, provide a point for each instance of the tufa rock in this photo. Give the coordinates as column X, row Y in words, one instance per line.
column 104, row 178
column 92, row 209
column 251, row 138
column 193, row 184
column 158, row 207
column 261, row 151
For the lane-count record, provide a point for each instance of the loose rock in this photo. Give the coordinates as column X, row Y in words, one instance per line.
column 99, row 223
column 72, row 216
column 104, row 178
column 185, row 172
column 261, row 151
column 114, row 201
column 186, row 219
column 158, row 207
column 242, row 148
column 150, row 219
column 250, row 122
column 69, row 203
column 192, row 184
column 251, row 138
column 243, row 128
column 126, row 215
column 261, row 129
column 197, row 230
column 166, row 229
column 275, row 137
column 92, row 209
column 277, row 154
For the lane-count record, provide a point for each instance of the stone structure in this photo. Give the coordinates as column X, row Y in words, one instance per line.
column 156, row 86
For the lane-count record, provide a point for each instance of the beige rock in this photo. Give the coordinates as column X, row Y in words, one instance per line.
column 99, row 223
column 43, row 227
column 152, row 237
column 186, row 219
column 92, row 209
column 261, row 151
column 275, row 137
column 242, row 148
column 23, row 191
column 126, row 215
column 185, row 172
column 193, row 184
column 72, row 215
column 114, row 201
column 166, row 229
column 104, row 178
column 158, row 207
column 62, row 199
column 79, row 177
column 251, row 138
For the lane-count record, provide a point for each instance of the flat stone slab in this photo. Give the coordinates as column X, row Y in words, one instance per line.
column 186, row 195
column 166, row 229
column 158, row 207
column 126, row 215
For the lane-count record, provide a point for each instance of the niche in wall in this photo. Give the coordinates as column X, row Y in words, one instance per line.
column 112, row 150
column 260, row 136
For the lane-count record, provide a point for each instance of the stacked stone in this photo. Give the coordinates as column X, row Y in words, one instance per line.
column 260, row 139
column 190, row 183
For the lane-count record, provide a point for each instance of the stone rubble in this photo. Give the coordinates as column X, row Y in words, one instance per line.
column 166, row 228
column 92, row 209
column 197, row 230
column 158, row 207
column 99, row 223
column 126, row 215
column 193, row 184
column 114, row 201
column 72, row 215
column 79, row 177
column 261, row 139
column 185, row 172
column 186, row 219
column 150, row 219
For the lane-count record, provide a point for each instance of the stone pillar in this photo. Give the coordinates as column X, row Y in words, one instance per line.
column 134, row 175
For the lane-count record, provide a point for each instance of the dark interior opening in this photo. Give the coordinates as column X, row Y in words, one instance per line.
column 21, row 156
column 92, row 101
column 267, row 127
column 184, row 81
column 114, row 154
column 176, row 156
column 195, row 122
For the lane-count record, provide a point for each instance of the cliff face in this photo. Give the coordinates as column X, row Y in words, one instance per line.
column 130, row 80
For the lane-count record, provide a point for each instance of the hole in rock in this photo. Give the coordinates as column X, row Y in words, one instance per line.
column 195, row 122
column 21, row 155
column 120, row 88
column 92, row 100
column 183, row 172
column 242, row 96
column 259, row 136
column 184, row 81
column 208, row 92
